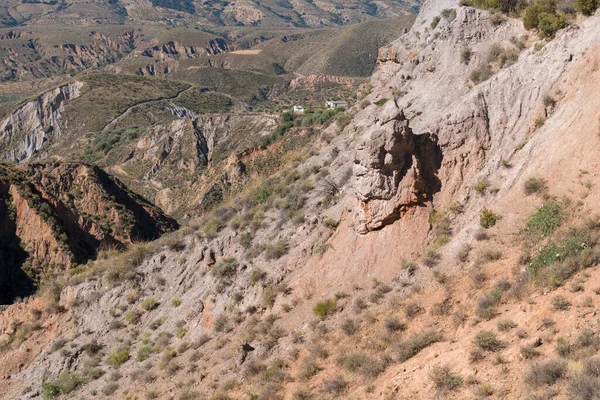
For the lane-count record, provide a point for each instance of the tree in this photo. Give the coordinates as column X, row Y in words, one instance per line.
column 587, row 7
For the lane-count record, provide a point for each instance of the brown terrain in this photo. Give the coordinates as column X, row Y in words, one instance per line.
column 443, row 243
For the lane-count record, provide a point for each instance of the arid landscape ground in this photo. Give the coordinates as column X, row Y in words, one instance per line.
column 171, row 230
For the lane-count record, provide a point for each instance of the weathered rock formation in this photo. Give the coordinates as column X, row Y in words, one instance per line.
column 395, row 170
column 174, row 49
column 58, row 215
column 25, row 131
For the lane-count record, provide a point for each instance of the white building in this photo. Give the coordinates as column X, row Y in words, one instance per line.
column 333, row 104
column 299, row 109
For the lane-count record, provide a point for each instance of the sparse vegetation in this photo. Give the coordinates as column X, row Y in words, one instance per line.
column 546, row 372
column 487, row 218
column 410, row 347
column 488, row 341
column 324, row 308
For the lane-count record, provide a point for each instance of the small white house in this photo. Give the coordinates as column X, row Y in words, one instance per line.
column 333, row 104
column 299, row 109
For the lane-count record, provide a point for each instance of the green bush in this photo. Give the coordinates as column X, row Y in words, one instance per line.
column 448, row 14
column 324, row 308
column 144, row 352
column 487, row 218
column 443, row 379
column 118, row 358
column 133, row 316
column 212, row 225
column 543, row 15
column 149, row 304
column 587, row 7
column 434, row 23
column 545, row 220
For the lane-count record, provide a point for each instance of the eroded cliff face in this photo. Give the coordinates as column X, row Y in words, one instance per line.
column 25, row 131
column 178, row 165
column 62, row 214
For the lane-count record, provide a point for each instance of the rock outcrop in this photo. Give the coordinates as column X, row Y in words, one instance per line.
column 25, row 131
column 395, row 170
column 59, row 215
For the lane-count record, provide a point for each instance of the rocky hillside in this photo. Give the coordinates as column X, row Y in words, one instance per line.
column 56, row 216
column 442, row 244
column 211, row 14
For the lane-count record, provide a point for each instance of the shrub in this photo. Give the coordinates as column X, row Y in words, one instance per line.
column 393, row 325
column 276, row 250
column 149, row 304
column 545, row 220
column 412, row 346
column 212, row 225
column 443, row 379
column 176, row 302
column 349, row 326
column 225, row 268
column 221, row 323
column 144, row 352
column 431, row 258
column 543, row 16
column 481, row 185
column 448, row 14
column 308, row 369
column 534, row 185
column 133, row 317
column 529, row 352
column 336, row 385
column 584, row 387
column 560, row 303
column 435, row 21
column 118, row 357
column 505, row 325
column 488, row 341
column 481, row 73
column 539, row 122
column 257, row 275
column 412, row 309
column 362, row 364
column 549, row 101
column 324, row 308
column 587, row 7
column 487, row 218
column 110, row 388
column 546, row 373
column 66, row 383
column 463, row 253
column 246, row 240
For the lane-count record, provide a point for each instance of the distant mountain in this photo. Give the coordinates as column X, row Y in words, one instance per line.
column 257, row 13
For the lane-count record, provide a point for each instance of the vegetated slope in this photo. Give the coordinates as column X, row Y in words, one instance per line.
column 203, row 13
column 443, row 244
column 56, row 216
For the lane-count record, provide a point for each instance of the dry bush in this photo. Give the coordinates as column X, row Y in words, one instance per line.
column 335, row 386
column 443, row 379
column 394, row 325
column 362, row 364
column 488, row 341
column 546, row 372
column 413, row 345
column 350, row 326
